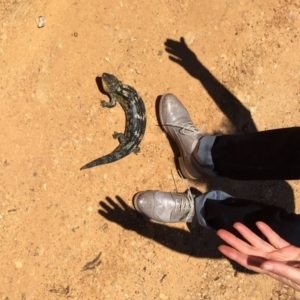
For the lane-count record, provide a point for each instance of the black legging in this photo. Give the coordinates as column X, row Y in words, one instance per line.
column 267, row 155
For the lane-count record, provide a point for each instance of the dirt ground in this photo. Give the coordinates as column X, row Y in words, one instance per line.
column 74, row 234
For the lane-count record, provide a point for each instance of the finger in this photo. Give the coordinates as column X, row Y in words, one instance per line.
column 105, row 207
column 176, row 60
column 174, row 51
column 172, row 44
column 282, row 272
column 182, row 41
column 103, row 213
column 238, row 244
column 252, row 263
column 272, row 236
column 122, row 203
column 252, row 238
column 112, row 203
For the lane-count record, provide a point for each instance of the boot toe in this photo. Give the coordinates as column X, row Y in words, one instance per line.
column 171, row 109
column 143, row 203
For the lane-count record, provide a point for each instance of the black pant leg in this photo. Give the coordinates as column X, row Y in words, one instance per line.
column 223, row 214
column 266, row 155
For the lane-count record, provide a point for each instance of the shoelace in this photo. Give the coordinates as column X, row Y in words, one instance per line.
column 188, row 128
column 186, row 205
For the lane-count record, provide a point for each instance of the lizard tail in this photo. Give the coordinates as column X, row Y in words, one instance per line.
column 105, row 160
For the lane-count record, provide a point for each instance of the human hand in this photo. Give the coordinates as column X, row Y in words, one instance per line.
column 121, row 213
column 182, row 55
column 276, row 258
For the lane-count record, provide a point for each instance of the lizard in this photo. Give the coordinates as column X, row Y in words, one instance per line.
column 135, row 114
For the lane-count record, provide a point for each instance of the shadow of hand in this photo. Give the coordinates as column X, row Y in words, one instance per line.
column 238, row 115
column 182, row 55
column 198, row 242
column 188, row 242
column 119, row 212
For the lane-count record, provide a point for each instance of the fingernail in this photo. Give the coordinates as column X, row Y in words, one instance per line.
column 268, row 267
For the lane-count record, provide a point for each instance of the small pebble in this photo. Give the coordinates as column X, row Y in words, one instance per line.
column 104, row 227
column 163, row 296
column 40, row 21
column 189, row 38
column 18, row 264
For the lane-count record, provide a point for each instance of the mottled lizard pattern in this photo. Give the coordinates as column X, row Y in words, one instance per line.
column 135, row 114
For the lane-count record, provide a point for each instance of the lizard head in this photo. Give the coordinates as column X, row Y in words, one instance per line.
column 110, row 82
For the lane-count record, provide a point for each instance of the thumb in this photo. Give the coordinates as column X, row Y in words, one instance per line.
column 281, row 270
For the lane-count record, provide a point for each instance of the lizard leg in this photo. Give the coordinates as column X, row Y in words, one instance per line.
column 109, row 104
column 136, row 150
column 120, row 136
